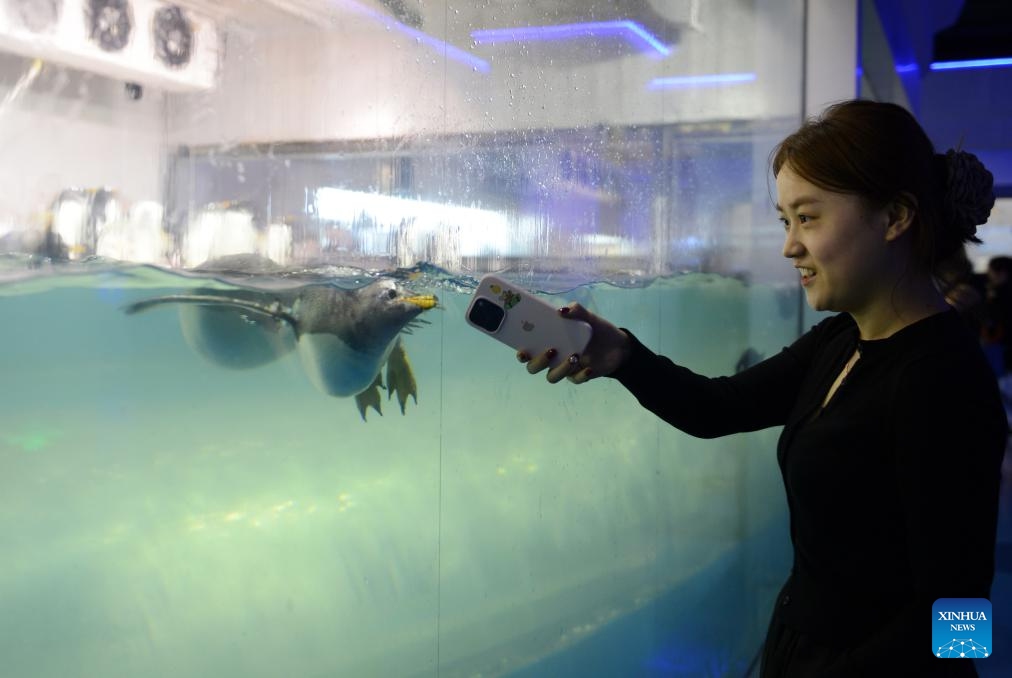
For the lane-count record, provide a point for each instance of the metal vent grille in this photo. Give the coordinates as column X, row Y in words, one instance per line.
column 110, row 23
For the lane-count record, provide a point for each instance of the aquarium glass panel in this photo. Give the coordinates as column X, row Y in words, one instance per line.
column 245, row 429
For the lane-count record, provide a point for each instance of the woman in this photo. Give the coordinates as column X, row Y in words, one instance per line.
column 893, row 427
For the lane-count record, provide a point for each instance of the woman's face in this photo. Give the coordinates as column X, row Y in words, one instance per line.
column 837, row 243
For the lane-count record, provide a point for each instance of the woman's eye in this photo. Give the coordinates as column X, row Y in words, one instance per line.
column 783, row 220
column 802, row 219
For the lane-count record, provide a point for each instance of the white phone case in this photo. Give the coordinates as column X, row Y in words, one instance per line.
column 529, row 323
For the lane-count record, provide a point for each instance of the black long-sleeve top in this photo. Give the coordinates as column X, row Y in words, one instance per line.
column 892, row 488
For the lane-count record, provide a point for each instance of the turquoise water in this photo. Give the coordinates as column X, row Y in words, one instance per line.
column 163, row 516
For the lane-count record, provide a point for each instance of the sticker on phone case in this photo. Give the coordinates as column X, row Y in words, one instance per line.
column 509, row 298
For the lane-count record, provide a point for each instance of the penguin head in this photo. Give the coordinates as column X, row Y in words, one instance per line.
column 370, row 316
column 393, row 305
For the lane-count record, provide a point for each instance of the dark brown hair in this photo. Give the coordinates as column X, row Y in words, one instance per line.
column 879, row 152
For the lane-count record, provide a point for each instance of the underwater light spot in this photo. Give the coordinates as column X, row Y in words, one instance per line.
column 195, row 525
column 500, row 470
column 283, row 506
column 32, row 441
column 344, row 502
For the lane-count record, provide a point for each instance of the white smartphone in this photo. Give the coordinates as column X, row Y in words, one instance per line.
column 524, row 321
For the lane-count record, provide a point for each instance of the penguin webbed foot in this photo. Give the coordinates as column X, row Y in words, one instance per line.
column 400, row 380
column 370, row 398
column 400, row 377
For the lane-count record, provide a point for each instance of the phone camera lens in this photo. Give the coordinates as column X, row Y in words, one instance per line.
column 486, row 315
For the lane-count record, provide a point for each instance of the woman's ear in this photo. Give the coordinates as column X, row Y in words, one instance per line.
column 901, row 212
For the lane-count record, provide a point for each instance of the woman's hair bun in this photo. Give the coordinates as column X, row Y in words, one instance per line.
column 969, row 193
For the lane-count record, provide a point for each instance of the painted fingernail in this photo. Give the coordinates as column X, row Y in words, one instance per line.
column 551, row 353
column 574, row 360
column 564, row 310
column 588, row 373
column 523, row 357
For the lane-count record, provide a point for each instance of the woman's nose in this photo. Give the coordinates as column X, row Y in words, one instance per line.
column 792, row 248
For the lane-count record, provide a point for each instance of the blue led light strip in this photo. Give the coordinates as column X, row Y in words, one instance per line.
column 632, row 32
column 971, row 63
column 438, row 45
column 701, row 80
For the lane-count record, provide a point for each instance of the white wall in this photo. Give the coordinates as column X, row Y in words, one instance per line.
column 65, row 129
column 831, row 57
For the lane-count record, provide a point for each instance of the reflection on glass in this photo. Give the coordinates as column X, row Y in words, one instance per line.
column 701, row 80
column 627, row 30
column 217, row 232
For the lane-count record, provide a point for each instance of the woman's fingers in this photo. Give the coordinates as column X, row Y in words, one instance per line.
column 571, row 368
column 575, row 311
column 538, row 362
column 564, row 369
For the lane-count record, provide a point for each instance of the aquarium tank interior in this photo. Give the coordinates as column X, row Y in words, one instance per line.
column 190, row 487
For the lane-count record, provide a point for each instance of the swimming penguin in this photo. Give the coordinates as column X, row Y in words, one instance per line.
column 343, row 337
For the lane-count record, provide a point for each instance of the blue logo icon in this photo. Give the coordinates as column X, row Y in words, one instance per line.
column 961, row 628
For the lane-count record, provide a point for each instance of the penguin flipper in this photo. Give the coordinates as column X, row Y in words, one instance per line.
column 400, row 377
column 370, row 398
column 274, row 308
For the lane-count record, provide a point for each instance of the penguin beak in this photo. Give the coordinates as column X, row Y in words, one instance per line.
column 425, row 301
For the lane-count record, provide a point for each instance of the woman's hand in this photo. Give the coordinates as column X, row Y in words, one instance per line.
column 607, row 350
